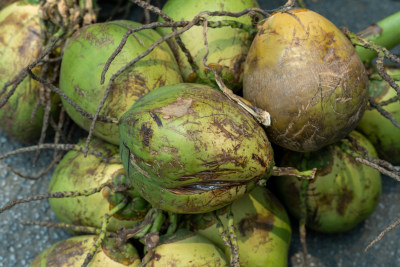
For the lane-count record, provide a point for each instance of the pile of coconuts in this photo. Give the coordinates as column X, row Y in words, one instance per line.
column 175, row 169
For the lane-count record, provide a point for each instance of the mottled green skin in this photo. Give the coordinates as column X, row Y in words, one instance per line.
column 20, row 45
column 185, row 248
column 75, row 172
column 343, row 193
column 380, row 131
column 72, row 253
column 198, row 150
column 262, row 228
column 306, row 73
column 84, row 58
column 228, row 46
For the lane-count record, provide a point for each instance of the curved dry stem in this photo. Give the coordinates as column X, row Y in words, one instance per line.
column 260, row 115
column 382, row 234
column 65, row 147
column 83, row 193
column 71, row 227
column 40, row 174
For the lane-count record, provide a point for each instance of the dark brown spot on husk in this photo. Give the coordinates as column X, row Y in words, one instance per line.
column 219, row 124
column 156, row 119
column 259, row 160
column 147, row 134
column 249, row 224
column 66, row 250
column 345, row 197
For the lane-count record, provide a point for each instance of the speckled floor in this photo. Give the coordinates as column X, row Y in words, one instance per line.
column 20, row 244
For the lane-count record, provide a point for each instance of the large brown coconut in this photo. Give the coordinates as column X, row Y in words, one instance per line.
column 305, row 72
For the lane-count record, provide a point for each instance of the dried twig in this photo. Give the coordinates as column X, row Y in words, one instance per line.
column 382, row 234
column 260, row 115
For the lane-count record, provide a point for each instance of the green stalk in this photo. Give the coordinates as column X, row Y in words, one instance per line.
column 102, row 234
column 385, row 33
column 173, row 223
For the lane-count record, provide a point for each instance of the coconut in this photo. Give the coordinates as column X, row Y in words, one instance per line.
column 228, row 46
column 76, row 172
column 189, row 149
column 305, row 72
column 84, row 58
column 20, row 45
column 185, row 248
column 382, row 133
column 72, row 253
column 343, row 193
column 262, row 228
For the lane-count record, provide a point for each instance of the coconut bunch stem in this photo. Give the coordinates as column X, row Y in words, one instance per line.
column 380, row 165
column 87, row 192
column 102, row 235
column 382, row 53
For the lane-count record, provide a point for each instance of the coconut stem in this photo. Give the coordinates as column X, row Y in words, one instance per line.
column 233, row 238
column 228, row 235
column 55, row 195
column 381, row 165
column 385, row 33
column 75, row 228
column 260, row 115
column 173, row 223
column 102, row 234
column 381, row 235
column 303, row 217
column 283, row 171
column 66, row 147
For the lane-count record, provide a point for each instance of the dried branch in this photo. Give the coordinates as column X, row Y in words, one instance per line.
column 382, row 234
column 260, row 115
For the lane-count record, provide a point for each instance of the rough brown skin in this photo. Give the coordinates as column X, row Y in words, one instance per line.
column 307, row 75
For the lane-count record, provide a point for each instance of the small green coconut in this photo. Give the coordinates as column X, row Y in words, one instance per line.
column 84, row 58
column 382, row 133
column 228, row 46
column 343, row 193
column 72, row 253
column 185, row 248
column 188, row 149
column 261, row 225
column 76, row 172
column 20, row 45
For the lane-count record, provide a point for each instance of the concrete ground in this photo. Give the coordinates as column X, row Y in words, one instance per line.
column 20, row 244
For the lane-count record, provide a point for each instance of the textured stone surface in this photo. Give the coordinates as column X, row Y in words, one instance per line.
column 20, row 244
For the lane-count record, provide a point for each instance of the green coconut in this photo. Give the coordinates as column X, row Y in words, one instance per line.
column 185, row 248
column 228, row 46
column 84, row 58
column 72, row 253
column 76, row 172
column 343, row 193
column 20, row 45
column 195, row 148
column 382, row 133
column 306, row 73
column 262, row 228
